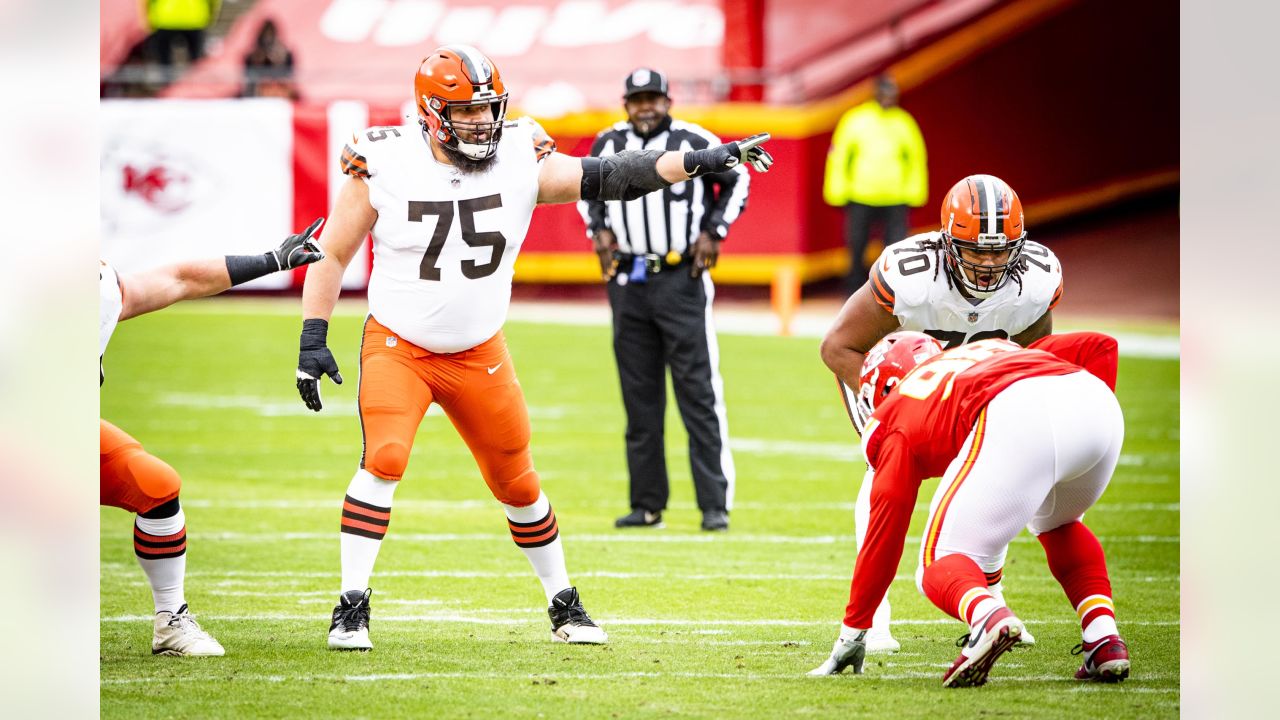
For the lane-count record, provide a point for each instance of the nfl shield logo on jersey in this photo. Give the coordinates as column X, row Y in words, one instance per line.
column 973, row 317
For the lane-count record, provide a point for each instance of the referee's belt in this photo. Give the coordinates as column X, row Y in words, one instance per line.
column 653, row 262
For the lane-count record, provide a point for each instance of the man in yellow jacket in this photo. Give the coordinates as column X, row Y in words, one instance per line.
column 174, row 22
column 876, row 170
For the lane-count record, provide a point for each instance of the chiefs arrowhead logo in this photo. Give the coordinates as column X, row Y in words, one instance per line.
column 161, row 187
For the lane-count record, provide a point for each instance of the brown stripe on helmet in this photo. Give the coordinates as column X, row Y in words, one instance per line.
column 980, row 188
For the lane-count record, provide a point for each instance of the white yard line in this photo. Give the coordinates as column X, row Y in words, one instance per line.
column 452, row 505
column 258, row 577
column 793, row 676
column 631, row 538
column 536, row 614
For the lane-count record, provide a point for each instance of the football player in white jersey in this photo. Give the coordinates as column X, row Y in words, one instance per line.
column 977, row 277
column 135, row 480
column 448, row 201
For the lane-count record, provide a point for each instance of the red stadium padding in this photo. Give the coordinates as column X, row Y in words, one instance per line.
column 1072, row 131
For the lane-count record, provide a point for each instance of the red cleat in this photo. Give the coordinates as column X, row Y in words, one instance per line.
column 1105, row 660
column 997, row 633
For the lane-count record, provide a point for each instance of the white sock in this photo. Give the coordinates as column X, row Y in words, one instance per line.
column 1102, row 626
column 366, row 512
column 984, row 606
column 154, row 538
column 997, row 591
column 536, row 532
column 849, row 634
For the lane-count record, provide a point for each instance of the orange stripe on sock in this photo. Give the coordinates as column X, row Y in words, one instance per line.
column 148, row 550
column 157, row 538
column 536, row 538
column 935, row 522
column 366, row 511
column 379, row 529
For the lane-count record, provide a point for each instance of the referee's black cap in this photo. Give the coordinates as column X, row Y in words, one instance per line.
column 643, row 80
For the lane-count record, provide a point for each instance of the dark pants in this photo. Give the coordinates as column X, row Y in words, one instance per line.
column 662, row 324
column 162, row 43
column 857, row 233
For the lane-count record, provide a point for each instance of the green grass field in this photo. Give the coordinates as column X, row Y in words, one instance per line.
column 715, row 626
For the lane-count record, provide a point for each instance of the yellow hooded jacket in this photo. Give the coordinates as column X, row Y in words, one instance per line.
column 877, row 157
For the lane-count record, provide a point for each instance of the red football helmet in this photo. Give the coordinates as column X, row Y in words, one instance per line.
column 455, row 76
column 982, row 214
column 887, row 362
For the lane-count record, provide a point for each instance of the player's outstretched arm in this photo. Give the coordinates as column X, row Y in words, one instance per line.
column 351, row 220
column 161, row 287
column 860, row 325
column 633, row 173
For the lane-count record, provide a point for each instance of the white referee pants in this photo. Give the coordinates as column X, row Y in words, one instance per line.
column 1039, row 456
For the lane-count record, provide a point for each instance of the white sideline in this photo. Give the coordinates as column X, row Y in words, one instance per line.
column 811, row 321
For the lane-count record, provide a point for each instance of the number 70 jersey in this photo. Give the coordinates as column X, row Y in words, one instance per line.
column 445, row 242
column 907, row 282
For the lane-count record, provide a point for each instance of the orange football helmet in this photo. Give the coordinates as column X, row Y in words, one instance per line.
column 454, row 76
column 982, row 214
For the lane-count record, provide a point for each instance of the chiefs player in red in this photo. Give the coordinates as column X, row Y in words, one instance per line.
column 1020, row 437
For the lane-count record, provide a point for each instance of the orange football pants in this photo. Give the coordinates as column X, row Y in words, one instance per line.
column 132, row 478
column 476, row 388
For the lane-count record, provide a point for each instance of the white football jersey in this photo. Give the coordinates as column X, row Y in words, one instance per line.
column 110, row 305
column 445, row 243
column 907, row 282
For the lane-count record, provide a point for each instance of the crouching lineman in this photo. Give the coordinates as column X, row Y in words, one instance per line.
column 135, row 480
column 976, row 277
column 448, row 200
column 1026, row 437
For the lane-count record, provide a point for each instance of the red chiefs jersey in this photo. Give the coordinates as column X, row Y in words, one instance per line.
column 921, row 426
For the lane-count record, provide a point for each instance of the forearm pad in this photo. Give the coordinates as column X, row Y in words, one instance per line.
column 243, row 268
column 625, row 176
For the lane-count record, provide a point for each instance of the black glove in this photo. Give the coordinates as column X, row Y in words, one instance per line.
column 315, row 360
column 729, row 156
column 301, row 249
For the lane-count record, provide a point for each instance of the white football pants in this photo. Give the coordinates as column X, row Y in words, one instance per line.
column 1039, row 456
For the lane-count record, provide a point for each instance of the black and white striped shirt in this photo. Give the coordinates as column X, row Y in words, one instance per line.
column 670, row 219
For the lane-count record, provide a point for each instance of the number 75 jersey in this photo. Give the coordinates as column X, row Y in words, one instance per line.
column 445, row 242
column 911, row 281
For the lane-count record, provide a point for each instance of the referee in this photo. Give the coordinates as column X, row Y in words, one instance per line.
column 653, row 252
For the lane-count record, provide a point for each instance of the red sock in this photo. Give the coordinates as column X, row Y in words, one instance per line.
column 958, row 587
column 1078, row 563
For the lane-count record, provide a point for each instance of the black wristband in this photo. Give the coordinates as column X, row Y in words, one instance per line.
column 701, row 162
column 243, row 268
column 590, row 187
column 315, row 334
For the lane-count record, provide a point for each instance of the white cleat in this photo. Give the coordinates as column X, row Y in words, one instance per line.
column 350, row 627
column 354, row 640
column 845, row 653
column 178, row 633
column 570, row 622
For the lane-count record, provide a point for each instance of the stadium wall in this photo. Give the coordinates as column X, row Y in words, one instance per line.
column 1074, row 103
